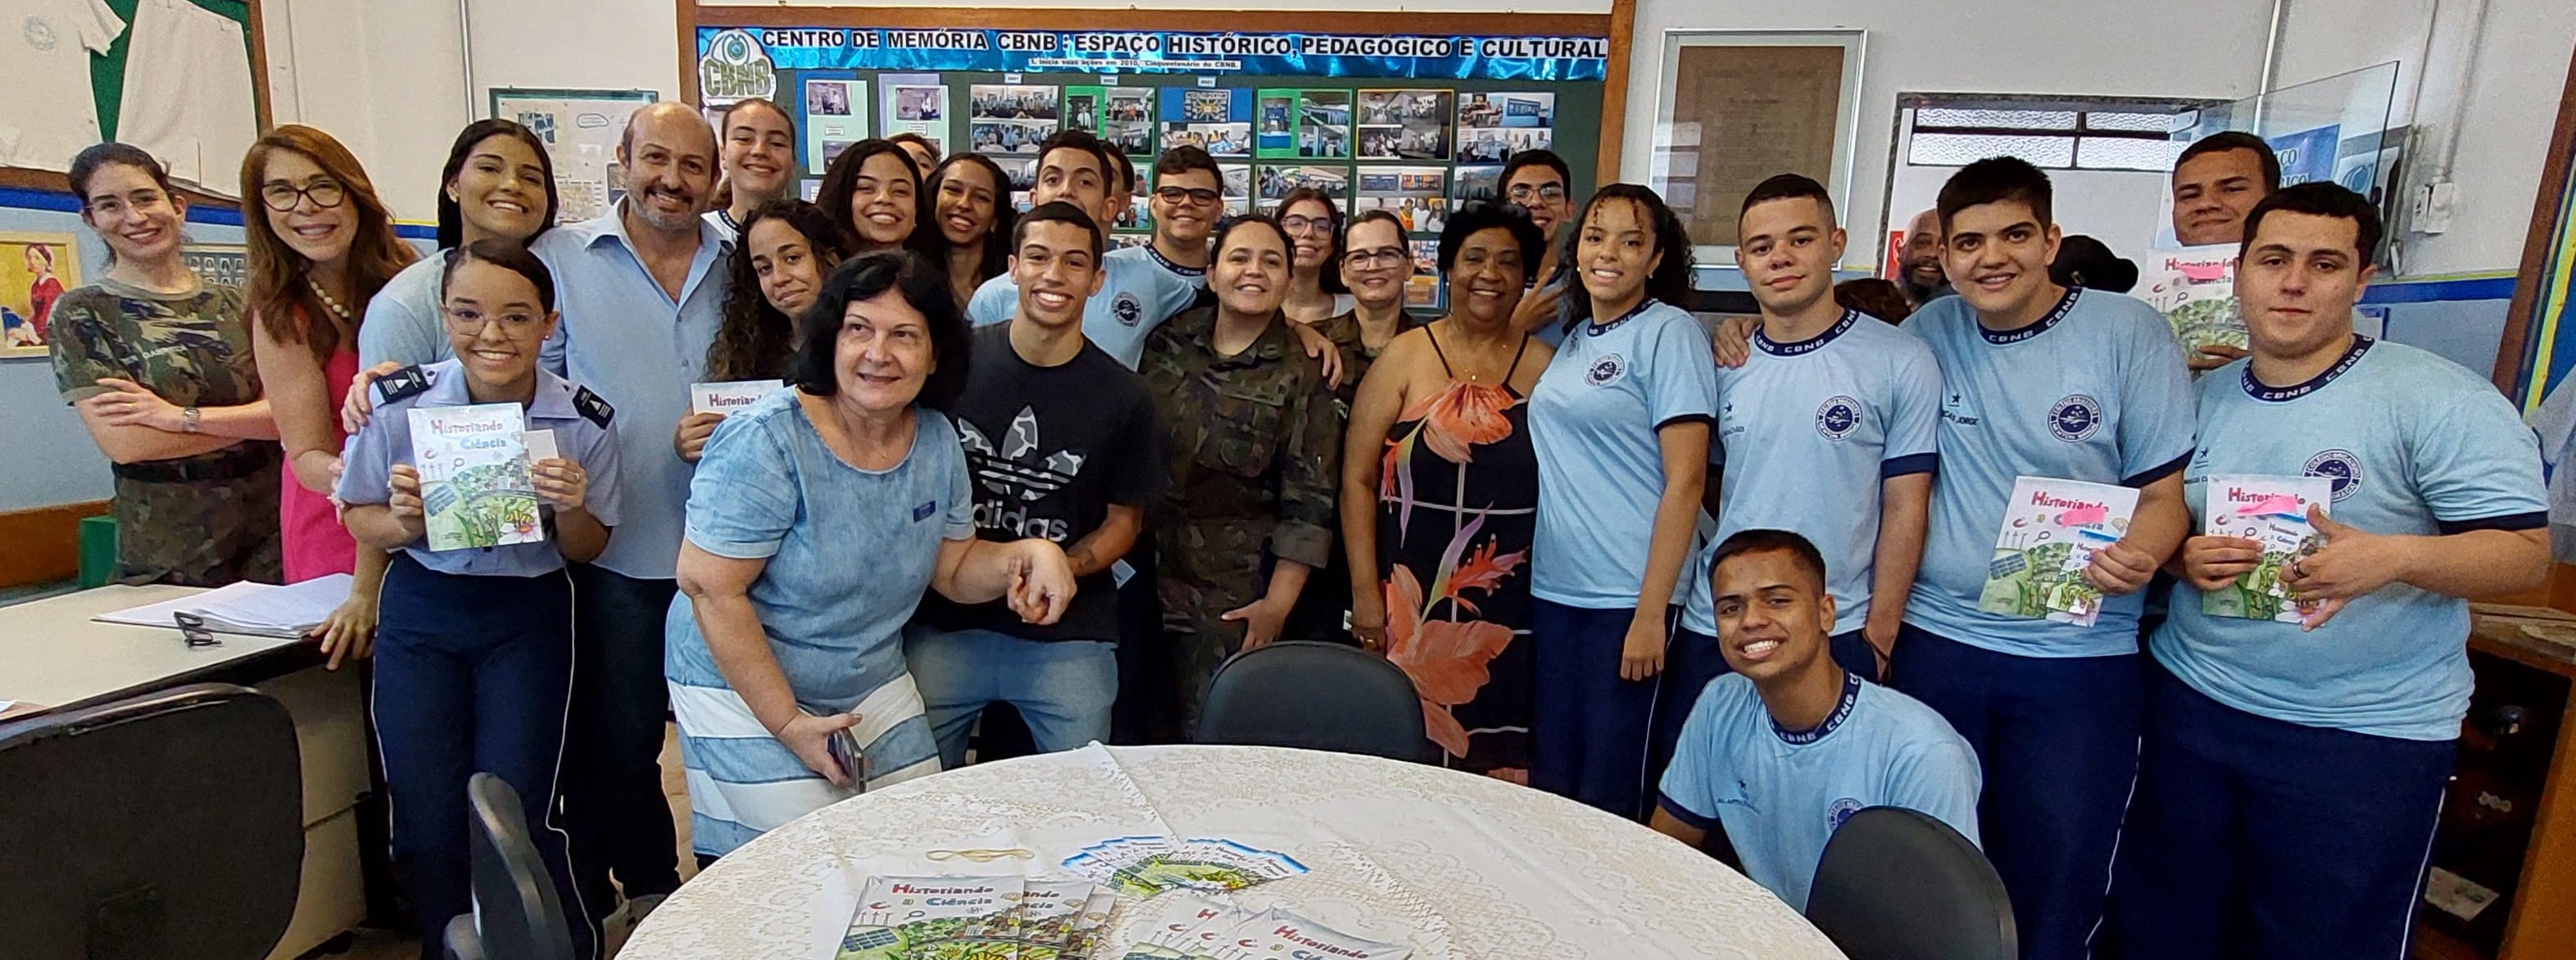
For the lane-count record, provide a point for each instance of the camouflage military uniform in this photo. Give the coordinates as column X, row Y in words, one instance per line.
column 1343, row 329
column 1323, row 609
column 1252, row 441
column 205, row 520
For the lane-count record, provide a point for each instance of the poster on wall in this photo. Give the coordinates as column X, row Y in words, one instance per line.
column 1129, row 120
column 730, row 58
column 1418, row 196
column 836, row 116
column 1217, row 121
column 1011, row 118
column 916, row 103
column 2308, row 154
column 35, row 269
column 1276, row 182
column 1491, row 126
column 581, row 129
column 1404, row 124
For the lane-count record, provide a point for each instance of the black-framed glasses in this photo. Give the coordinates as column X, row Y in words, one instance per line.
column 1524, row 193
column 1378, row 259
column 282, row 197
column 193, row 632
column 1195, row 195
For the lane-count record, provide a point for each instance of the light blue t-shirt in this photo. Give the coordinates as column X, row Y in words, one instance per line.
column 2418, row 446
column 583, row 435
column 1809, row 432
column 849, row 551
column 403, row 322
column 623, row 337
column 1135, row 297
column 1196, row 276
column 1593, row 418
column 1782, row 793
column 2096, row 390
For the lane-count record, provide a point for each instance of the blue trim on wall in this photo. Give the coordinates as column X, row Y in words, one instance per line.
column 2401, row 291
column 63, row 202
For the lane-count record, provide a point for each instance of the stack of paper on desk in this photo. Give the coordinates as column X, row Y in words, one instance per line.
column 250, row 609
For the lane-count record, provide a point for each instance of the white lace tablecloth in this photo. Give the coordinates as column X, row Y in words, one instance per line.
column 1462, row 867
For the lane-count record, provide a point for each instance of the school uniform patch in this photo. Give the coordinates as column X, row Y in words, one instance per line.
column 592, row 408
column 1837, row 417
column 1606, row 371
column 2075, row 419
column 1127, row 309
column 2341, row 465
column 402, row 384
column 1840, row 811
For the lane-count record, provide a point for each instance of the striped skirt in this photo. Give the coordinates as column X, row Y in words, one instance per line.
column 743, row 782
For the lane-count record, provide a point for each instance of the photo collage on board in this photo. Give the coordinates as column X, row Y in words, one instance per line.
column 1493, row 125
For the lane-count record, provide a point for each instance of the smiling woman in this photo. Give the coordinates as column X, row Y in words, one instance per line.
column 498, row 182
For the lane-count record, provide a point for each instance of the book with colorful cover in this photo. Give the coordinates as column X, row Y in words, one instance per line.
column 935, row 918
column 1092, row 925
column 2272, row 511
column 1184, row 928
column 1049, row 911
column 1146, row 866
column 1280, row 933
column 2195, row 289
column 476, row 489
column 2051, row 530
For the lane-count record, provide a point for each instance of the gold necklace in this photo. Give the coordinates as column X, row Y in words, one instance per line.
column 328, row 302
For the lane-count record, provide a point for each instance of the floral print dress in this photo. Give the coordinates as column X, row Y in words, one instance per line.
column 1457, row 503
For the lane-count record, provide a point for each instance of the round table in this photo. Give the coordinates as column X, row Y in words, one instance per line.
column 1459, row 866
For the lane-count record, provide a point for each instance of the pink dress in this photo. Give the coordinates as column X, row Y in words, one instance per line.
column 315, row 542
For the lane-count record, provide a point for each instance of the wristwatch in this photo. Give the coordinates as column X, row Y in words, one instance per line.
column 188, row 420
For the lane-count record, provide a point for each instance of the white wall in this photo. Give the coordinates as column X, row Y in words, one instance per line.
column 2179, row 48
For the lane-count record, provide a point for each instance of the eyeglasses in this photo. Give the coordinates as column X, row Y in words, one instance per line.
column 470, row 323
column 1186, row 194
column 1377, row 259
column 1524, row 193
column 114, row 207
column 1301, row 224
column 283, row 197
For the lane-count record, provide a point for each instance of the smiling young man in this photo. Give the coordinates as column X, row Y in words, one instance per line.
column 1827, row 431
column 2293, row 771
column 1921, row 278
column 758, row 152
column 1541, row 183
column 1187, row 201
column 2216, row 181
column 1787, row 747
column 1061, row 441
column 1134, row 297
column 2041, row 380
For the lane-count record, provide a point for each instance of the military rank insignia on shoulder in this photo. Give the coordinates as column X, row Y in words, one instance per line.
column 592, row 408
column 403, row 384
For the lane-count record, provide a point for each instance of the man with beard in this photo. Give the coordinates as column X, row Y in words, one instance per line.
column 641, row 289
column 1921, row 277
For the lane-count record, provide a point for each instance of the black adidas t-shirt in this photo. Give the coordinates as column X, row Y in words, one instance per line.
column 1049, row 450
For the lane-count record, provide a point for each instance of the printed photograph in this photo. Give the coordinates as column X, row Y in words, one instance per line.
column 1082, row 109
column 1324, row 124
column 1129, row 104
column 1276, row 182
column 1208, row 106
column 35, row 270
column 1218, row 139
column 919, row 103
column 1276, row 114
column 1006, row 102
column 1477, row 184
column 827, row 98
column 1008, row 136
column 1237, row 187
column 1404, row 124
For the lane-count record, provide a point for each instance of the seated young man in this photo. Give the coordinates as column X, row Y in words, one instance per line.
column 1790, row 745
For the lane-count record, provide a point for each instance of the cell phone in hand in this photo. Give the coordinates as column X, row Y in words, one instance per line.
column 854, row 761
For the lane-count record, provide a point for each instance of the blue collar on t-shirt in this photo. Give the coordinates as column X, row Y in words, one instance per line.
column 2065, row 305
column 1176, row 269
column 1597, row 329
column 2270, row 394
column 1842, row 711
column 1806, row 346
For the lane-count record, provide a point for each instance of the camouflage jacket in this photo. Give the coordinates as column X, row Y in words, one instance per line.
column 1343, row 329
column 1252, row 440
column 191, row 349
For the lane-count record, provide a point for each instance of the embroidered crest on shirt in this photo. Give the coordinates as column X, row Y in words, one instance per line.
column 1606, row 371
column 1127, row 309
column 1839, row 812
column 2340, row 465
column 2076, row 418
column 1838, row 417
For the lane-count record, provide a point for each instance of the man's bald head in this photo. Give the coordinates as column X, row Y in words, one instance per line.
column 675, row 125
column 1923, row 251
column 670, row 157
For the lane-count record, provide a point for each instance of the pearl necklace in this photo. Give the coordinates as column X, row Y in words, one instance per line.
column 328, row 302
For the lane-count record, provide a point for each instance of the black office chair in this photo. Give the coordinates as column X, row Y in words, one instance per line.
column 166, row 825
column 517, row 913
column 1316, row 696
column 1898, row 884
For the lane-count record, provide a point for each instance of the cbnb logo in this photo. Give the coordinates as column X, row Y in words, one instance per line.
column 1841, row 811
column 2338, row 465
column 2075, row 419
column 1838, row 417
column 734, row 67
column 1606, row 371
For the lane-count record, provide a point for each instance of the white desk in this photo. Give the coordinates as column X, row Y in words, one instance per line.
column 52, row 655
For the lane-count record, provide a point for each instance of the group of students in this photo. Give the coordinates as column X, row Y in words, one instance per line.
column 1014, row 466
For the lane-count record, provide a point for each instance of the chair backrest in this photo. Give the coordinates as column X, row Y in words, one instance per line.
column 1317, row 696
column 166, row 825
column 1897, row 883
column 516, row 912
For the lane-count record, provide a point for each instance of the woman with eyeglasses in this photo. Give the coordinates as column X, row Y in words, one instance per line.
column 1439, row 489
column 1250, row 437
column 321, row 245
column 1620, row 421
column 1313, row 223
column 474, row 651
column 158, row 364
column 972, row 198
column 873, row 192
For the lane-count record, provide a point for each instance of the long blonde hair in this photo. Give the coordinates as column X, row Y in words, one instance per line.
column 279, row 295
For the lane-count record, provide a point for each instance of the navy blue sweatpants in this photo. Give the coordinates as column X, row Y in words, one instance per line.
column 472, row 676
column 2058, row 740
column 2254, row 837
column 1588, row 736
column 1691, row 661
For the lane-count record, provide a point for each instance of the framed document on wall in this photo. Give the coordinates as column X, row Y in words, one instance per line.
column 1740, row 106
